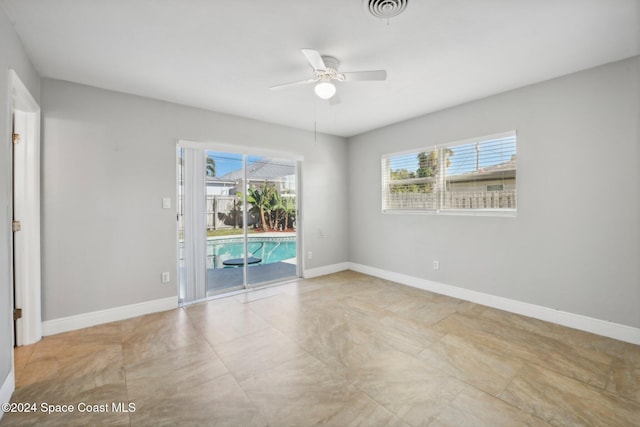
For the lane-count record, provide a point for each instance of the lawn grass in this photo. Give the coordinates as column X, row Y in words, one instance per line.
column 228, row 232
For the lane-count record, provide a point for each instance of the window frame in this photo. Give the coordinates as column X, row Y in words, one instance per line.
column 439, row 210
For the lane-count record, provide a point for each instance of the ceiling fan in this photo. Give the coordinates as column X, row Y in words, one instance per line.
column 325, row 69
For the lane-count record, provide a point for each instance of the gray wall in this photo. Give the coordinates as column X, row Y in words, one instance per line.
column 12, row 56
column 574, row 245
column 108, row 159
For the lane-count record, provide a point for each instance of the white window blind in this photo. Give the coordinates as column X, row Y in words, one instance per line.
column 195, row 238
column 409, row 181
column 472, row 176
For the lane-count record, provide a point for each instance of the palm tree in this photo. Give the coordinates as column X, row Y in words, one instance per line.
column 429, row 165
column 289, row 207
column 211, row 166
column 276, row 209
column 260, row 198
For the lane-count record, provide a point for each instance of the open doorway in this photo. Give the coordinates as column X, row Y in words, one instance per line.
column 237, row 220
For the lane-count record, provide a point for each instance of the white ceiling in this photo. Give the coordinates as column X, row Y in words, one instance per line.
column 223, row 55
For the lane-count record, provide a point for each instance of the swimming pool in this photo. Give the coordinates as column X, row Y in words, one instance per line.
column 269, row 249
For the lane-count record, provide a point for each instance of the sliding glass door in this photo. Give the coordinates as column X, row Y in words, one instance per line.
column 272, row 215
column 237, row 221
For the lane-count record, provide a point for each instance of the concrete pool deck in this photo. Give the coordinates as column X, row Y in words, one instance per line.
column 225, row 279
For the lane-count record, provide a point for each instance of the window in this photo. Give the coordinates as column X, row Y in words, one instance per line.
column 476, row 176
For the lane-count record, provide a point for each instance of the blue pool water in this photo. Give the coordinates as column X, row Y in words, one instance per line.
column 269, row 250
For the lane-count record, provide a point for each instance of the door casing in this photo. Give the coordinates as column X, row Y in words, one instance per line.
column 25, row 253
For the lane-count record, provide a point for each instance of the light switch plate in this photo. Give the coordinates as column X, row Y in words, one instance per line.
column 166, row 203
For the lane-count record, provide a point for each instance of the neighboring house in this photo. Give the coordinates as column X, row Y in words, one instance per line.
column 279, row 173
column 486, row 188
column 500, row 177
column 221, row 187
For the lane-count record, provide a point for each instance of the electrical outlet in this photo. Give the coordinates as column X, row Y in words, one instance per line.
column 166, row 277
column 310, row 255
column 436, row 265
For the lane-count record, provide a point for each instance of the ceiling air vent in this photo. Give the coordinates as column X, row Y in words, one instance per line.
column 385, row 9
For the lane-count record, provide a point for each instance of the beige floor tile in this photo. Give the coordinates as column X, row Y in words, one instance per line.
column 280, row 312
column 408, row 387
column 471, row 308
column 563, row 401
column 435, row 311
column 572, row 337
column 313, row 326
column 361, row 410
column 175, row 371
column 305, row 392
column 257, row 294
column 625, row 379
column 586, row 365
column 224, row 320
column 344, row 345
column 148, row 336
column 21, row 357
column 473, row 408
column 341, row 350
column 299, row 287
column 91, row 356
column 398, row 301
column 359, row 307
column 78, row 393
column 407, row 335
column 252, row 354
column 217, row 402
column 472, row 362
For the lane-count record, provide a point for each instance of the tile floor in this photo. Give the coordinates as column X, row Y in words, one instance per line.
column 344, row 349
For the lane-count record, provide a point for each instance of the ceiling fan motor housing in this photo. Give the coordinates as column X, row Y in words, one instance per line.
column 331, row 62
column 331, row 71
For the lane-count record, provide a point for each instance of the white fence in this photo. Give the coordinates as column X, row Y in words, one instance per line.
column 411, row 201
column 480, row 200
column 453, row 200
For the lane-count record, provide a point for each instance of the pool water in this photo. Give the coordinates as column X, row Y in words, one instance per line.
column 269, row 251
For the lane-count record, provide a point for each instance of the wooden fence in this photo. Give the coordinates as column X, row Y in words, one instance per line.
column 453, row 200
column 222, row 212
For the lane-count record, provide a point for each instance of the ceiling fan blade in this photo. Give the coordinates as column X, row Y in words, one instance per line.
column 314, row 58
column 286, row 85
column 365, row 75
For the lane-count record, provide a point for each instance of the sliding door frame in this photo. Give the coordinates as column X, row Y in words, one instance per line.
column 245, row 152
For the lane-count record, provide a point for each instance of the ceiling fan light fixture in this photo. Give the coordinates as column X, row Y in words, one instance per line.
column 325, row 90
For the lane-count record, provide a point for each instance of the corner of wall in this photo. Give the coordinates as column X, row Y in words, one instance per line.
column 6, row 390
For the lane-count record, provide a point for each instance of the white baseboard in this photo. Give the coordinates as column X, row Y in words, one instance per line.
column 7, row 389
column 84, row 320
column 576, row 321
column 327, row 269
